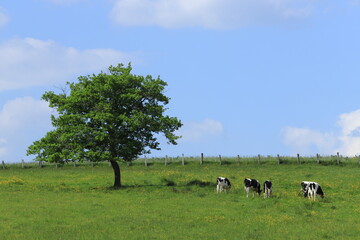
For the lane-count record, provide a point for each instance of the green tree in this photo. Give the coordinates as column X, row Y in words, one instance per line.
column 114, row 116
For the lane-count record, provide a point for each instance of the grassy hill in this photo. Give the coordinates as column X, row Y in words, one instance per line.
column 177, row 202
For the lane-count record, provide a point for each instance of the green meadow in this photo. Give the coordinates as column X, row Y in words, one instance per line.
column 178, row 202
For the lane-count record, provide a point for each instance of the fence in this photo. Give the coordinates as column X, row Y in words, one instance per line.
column 259, row 159
column 202, row 159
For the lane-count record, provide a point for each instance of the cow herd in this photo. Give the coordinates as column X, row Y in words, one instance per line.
column 310, row 189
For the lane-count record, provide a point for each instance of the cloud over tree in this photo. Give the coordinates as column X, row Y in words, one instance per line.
column 32, row 62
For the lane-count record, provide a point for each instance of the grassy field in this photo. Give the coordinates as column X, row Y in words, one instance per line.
column 177, row 202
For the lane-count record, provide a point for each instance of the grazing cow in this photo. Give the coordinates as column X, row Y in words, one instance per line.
column 252, row 184
column 311, row 189
column 267, row 189
column 222, row 184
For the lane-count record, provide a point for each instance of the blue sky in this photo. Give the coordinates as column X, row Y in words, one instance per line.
column 245, row 77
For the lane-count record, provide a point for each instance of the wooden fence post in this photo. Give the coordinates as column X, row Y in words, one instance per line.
column 318, row 158
column 202, row 158
column 259, row 157
column 22, row 163
column 166, row 158
column 3, row 164
column 182, row 160
column 74, row 164
column 298, row 158
column 338, row 158
column 238, row 157
column 145, row 161
column 92, row 163
column 278, row 156
column 220, row 159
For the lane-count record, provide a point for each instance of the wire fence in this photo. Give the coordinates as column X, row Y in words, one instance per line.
column 318, row 159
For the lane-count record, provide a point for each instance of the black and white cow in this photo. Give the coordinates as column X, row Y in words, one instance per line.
column 267, row 188
column 253, row 185
column 311, row 189
column 222, row 184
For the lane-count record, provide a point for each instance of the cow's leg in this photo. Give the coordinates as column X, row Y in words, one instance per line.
column 310, row 194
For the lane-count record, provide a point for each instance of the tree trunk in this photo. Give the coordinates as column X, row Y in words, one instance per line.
column 117, row 181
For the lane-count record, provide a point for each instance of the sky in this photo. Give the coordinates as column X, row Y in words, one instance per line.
column 245, row 77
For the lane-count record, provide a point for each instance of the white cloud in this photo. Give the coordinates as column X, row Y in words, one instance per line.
column 4, row 19
column 32, row 62
column 209, row 13
column 350, row 123
column 199, row 131
column 304, row 140
column 22, row 121
column 20, row 111
column 346, row 141
column 350, row 132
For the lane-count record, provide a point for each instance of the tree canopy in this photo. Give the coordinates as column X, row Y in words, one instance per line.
column 114, row 116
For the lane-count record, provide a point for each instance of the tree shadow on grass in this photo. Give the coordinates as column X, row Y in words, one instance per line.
column 168, row 182
column 199, row 183
column 164, row 183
